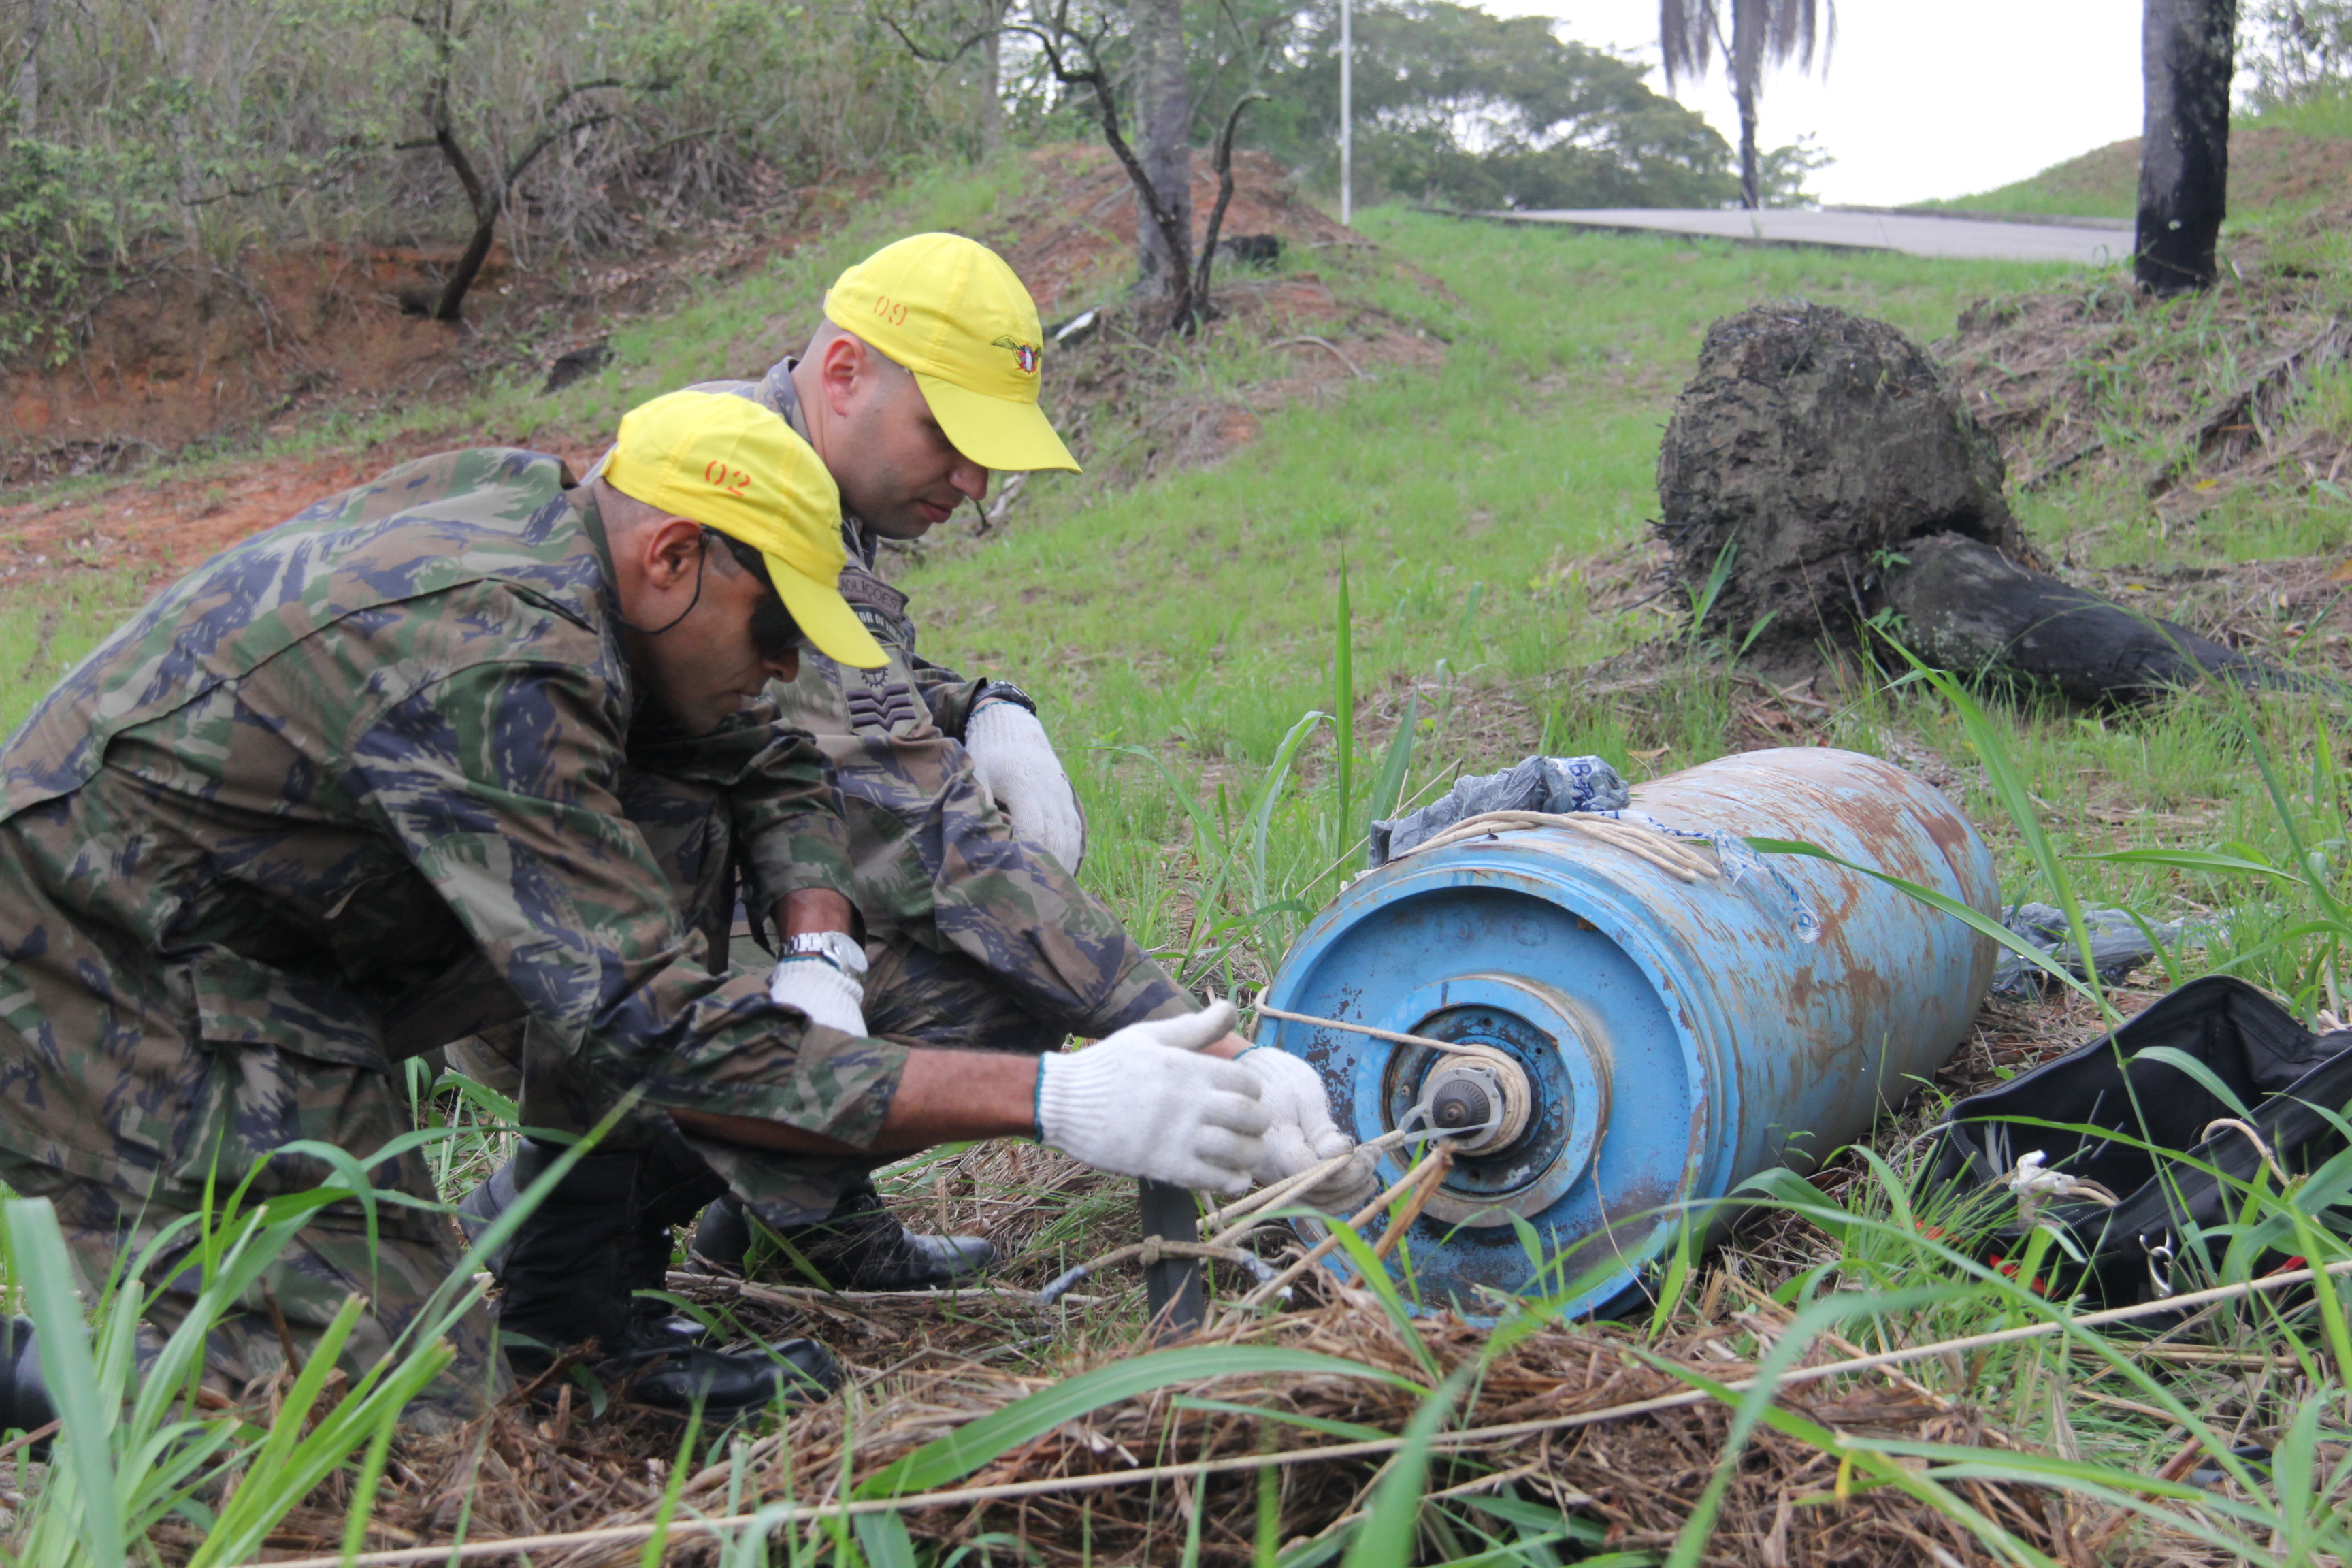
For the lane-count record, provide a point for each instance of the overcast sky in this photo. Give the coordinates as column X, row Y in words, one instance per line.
column 1921, row 100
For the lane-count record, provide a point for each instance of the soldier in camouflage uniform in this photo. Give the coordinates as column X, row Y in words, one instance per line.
column 962, row 826
column 362, row 784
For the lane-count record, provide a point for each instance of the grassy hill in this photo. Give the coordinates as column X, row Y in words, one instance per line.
column 2283, row 161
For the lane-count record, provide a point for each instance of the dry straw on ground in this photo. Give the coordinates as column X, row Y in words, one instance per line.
column 1636, row 1476
column 2062, row 377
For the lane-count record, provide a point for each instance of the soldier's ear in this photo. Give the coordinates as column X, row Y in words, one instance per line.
column 844, row 369
column 671, row 551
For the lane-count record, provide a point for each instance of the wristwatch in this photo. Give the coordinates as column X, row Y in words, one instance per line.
column 837, row 948
column 995, row 690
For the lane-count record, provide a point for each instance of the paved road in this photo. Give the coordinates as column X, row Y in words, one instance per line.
column 2090, row 241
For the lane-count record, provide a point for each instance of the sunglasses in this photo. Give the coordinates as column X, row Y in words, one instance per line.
column 774, row 633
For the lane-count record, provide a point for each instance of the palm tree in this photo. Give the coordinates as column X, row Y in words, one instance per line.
column 1761, row 32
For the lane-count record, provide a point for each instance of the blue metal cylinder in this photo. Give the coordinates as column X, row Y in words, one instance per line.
column 1676, row 1038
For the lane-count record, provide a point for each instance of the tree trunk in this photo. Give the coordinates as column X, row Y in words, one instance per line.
column 29, row 70
column 2184, row 161
column 1164, row 126
column 1970, row 608
column 484, row 203
column 1751, row 180
column 192, row 56
column 991, row 83
column 451, row 306
column 1747, row 61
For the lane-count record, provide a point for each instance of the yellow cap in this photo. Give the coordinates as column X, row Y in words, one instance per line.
column 734, row 465
column 949, row 309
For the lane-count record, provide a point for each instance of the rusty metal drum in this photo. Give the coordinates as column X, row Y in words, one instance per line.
column 1665, row 1040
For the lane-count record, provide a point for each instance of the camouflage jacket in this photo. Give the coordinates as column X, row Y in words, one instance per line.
column 932, row 859
column 355, row 756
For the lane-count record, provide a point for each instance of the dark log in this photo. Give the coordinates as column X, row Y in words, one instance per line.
column 1968, row 607
column 1821, row 476
column 1811, row 445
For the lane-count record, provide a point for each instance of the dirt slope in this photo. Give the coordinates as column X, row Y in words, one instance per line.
column 170, row 364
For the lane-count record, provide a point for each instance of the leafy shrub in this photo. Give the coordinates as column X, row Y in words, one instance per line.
column 44, row 278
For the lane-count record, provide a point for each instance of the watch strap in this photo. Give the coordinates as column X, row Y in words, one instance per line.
column 1004, row 691
column 837, row 948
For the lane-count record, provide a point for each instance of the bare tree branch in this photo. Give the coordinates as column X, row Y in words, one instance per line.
column 1224, row 194
column 489, row 202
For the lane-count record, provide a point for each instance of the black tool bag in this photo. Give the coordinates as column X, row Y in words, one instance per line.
column 2280, row 1071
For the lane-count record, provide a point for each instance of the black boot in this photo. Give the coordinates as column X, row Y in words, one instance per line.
column 23, row 1398
column 655, row 1320
column 858, row 1246
column 566, row 1276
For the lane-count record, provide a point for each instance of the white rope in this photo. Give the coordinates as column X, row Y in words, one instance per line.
column 2251, row 1136
column 1416, row 1128
column 1681, row 859
column 1458, row 1048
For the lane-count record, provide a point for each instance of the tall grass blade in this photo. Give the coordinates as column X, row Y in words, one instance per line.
column 1702, row 603
column 1689, row 1240
column 657, row 1545
column 2207, row 1080
column 884, row 1539
column 292, row 1463
column 1800, row 1198
column 1386, row 1538
column 85, row 1415
column 1975, row 919
column 1269, row 794
column 1343, row 717
column 1388, row 787
column 1374, row 1275
column 1266, row 1549
column 2015, row 795
column 362, row 1509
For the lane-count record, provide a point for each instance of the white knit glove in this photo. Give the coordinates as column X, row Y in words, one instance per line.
column 1303, row 1133
column 818, row 989
column 1016, row 765
column 1145, row 1102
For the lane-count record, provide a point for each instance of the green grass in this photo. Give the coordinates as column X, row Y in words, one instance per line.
column 44, row 634
column 2102, row 182
column 2327, row 114
column 1194, row 616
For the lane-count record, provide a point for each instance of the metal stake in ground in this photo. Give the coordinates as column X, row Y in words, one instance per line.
column 1172, row 1286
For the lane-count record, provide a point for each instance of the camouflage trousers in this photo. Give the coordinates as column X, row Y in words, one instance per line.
column 107, row 1225
column 914, row 993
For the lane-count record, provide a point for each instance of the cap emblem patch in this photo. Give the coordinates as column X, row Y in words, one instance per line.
column 1024, row 355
